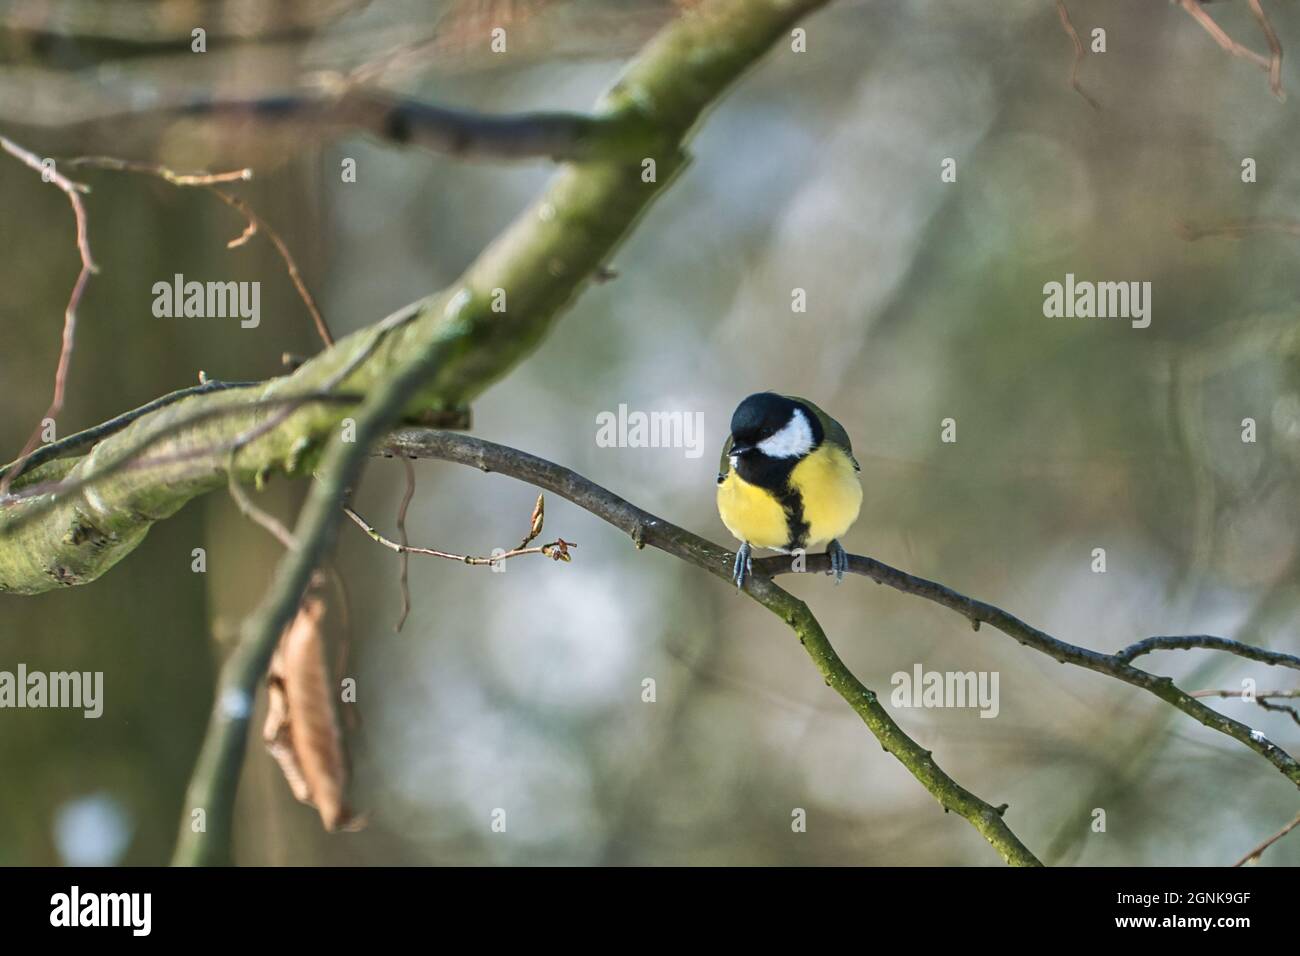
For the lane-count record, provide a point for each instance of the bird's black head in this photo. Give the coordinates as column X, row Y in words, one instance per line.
column 774, row 426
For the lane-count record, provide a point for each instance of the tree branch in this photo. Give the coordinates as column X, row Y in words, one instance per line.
column 1112, row 665
column 1187, row 642
column 90, row 436
column 472, row 451
column 647, row 529
column 573, row 137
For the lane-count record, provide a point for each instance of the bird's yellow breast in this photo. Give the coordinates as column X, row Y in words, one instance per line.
column 827, row 481
column 752, row 513
column 829, row 496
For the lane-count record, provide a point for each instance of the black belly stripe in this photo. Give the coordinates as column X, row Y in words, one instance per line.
column 792, row 503
column 773, row 475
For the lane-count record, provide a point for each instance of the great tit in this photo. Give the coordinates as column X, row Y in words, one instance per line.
column 787, row 480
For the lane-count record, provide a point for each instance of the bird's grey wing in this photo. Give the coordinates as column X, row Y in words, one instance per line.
column 724, row 464
column 831, row 428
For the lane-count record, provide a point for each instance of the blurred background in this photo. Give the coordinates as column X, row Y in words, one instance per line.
column 821, row 171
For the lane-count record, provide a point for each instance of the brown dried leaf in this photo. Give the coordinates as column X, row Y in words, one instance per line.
column 302, row 730
column 276, row 735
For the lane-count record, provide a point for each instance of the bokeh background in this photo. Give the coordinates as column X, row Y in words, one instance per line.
column 523, row 690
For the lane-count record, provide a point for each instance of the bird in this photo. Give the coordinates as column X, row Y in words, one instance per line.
column 787, row 480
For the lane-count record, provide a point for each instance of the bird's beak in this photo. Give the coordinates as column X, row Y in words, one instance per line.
column 740, row 449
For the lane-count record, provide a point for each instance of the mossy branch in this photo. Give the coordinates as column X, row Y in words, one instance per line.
column 539, row 264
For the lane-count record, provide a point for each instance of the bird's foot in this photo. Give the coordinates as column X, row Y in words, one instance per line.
column 743, row 565
column 839, row 560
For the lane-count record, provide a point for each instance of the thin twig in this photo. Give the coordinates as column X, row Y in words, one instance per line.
column 1274, row 49
column 162, row 172
column 403, row 559
column 1190, row 641
column 255, row 223
column 1254, row 855
column 1272, row 64
column 557, row 550
column 1220, row 36
column 253, row 512
column 1262, row 699
column 1079, row 52
column 1264, row 704
column 73, row 190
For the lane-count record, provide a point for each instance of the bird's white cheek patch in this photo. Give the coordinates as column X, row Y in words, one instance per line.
column 792, row 441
